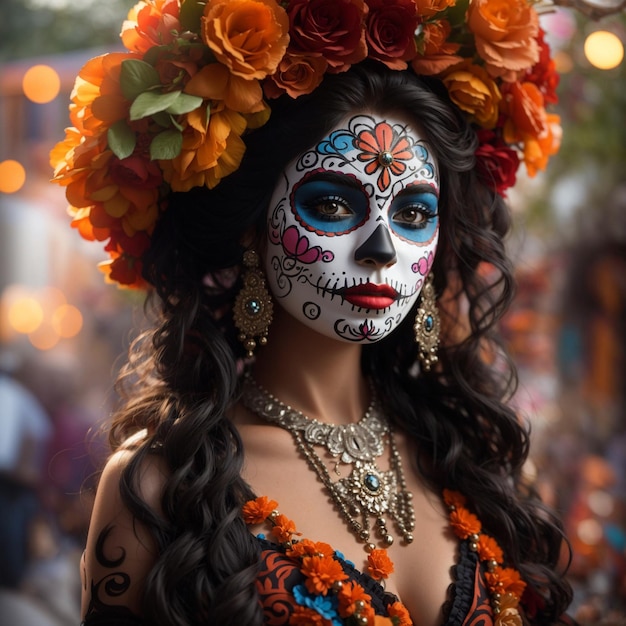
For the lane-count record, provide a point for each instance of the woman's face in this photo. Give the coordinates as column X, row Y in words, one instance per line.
column 353, row 227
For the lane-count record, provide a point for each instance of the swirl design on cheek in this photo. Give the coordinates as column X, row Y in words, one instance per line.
column 311, row 311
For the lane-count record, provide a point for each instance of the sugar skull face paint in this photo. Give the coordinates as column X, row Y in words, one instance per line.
column 353, row 228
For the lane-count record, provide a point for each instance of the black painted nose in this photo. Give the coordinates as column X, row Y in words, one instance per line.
column 377, row 249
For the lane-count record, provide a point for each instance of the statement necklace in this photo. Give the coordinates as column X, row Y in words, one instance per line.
column 367, row 491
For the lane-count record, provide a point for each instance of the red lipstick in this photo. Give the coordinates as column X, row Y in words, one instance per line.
column 370, row 296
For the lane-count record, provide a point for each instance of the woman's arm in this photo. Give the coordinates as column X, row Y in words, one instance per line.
column 120, row 551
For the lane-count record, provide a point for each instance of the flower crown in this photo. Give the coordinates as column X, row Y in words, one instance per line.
column 170, row 113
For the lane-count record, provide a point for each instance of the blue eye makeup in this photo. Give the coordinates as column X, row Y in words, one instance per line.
column 330, row 207
column 414, row 216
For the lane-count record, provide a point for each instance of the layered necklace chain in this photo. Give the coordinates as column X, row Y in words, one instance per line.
column 367, row 492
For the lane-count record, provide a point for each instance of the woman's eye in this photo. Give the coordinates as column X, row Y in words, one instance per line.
column 336, row 208
column 414, row 216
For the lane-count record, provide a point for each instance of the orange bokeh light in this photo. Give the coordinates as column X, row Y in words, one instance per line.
column 67, row 321
column 25, row 314
column 41, row 84
column 12, row 176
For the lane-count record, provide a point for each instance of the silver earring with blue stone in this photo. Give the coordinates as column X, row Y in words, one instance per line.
column 253, row 309
column 427, row 326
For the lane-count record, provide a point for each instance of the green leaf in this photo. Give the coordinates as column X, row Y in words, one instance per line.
column 174, row 123
column 121, row 139
column 184, row 103
column 166, row 145
column 162, row 119
column 190, row 14
column 136, row 77
column 149, row 103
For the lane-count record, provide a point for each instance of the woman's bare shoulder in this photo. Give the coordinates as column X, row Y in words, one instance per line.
column 120, row 551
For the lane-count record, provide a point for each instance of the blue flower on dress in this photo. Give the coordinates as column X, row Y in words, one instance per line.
column 341, row 557
column 326, row 606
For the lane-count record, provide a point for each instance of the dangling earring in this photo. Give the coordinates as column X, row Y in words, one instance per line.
column 427, row 326
column 252, row 312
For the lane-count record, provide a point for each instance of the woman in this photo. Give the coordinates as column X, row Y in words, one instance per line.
column 299, row 389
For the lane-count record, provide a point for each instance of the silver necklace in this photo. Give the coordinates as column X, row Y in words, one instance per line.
column 368, row 491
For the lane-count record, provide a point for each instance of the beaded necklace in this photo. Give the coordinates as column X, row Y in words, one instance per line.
column 347, row 602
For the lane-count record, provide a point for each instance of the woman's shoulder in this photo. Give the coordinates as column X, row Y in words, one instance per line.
column 120, row 550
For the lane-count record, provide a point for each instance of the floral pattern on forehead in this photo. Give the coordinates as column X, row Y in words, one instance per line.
column 378, row 146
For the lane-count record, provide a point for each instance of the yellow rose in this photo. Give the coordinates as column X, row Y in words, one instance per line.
column 473, row 91
column 250, row 37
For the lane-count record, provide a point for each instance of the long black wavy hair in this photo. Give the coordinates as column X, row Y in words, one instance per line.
column 182, row 375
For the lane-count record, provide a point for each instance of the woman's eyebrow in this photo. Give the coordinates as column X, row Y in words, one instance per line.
column 335, row 178
column 418, row 188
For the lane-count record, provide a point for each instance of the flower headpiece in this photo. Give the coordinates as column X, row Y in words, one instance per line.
column 170, row 113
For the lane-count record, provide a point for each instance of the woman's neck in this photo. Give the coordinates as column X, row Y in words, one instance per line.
column 317, row 375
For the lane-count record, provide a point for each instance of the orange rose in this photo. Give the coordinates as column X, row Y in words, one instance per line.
column 538, row 150
column 505, row 34
column 151, row 23
column 437, row 54
column 296, row 75
column 209, row 152
column 473, row 91
column 522, row 104
column 247, row 52
column 428, row 8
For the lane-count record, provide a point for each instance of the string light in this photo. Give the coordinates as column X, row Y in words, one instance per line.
column 604, row 50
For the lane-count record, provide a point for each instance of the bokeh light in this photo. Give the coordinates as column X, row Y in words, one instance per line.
column 604, row 50
column 41, row 84
column 12, row 176
column 67, row 321
column 25, row 314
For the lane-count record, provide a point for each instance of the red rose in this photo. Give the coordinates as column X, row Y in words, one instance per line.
column 390, row 32
column 544, row 73
column 496, row 163
column 136, row 171
column 333, row 29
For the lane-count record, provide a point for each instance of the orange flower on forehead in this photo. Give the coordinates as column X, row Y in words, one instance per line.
column 258, row 510
column 383, row 149
column 321, row 572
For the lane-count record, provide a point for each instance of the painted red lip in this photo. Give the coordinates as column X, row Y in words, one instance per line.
column 370, row 296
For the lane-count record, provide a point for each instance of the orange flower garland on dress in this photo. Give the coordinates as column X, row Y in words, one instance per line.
column 324, row 575
column 504, row 583
column 172, row 112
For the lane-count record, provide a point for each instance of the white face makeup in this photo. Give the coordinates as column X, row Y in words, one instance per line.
column 353, row 228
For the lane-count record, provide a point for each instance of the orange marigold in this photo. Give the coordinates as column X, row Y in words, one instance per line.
column 379, row 565
column 488, row 549
column 348, row 595
column 399, row 611
column 453, row 498
column 283, row 529
column 464, row 523
column 321, row 572
column 505, row 580
column 306, row 547
column 257, row 510
column 303, row 616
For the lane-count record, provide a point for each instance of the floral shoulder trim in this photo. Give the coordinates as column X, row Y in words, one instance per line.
column 505, row 584
column 327, row 598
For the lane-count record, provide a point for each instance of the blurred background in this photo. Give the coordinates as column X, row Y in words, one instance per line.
column 63, row 331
